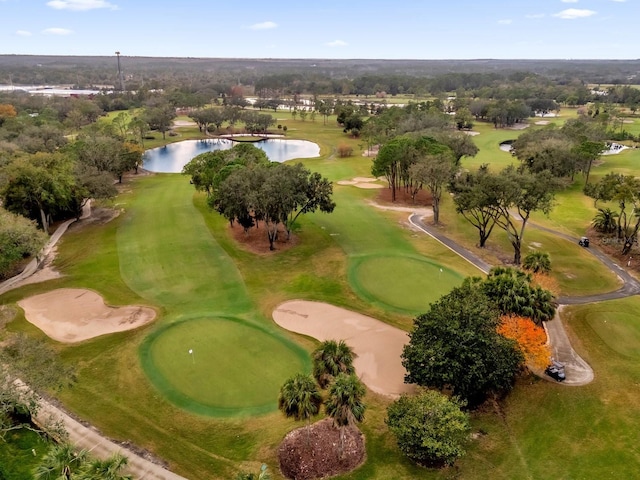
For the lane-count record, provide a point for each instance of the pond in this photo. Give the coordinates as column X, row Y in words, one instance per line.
column 171, row 158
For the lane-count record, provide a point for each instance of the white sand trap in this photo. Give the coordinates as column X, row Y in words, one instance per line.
column 364, row 179
column 471, row 133
column 377, row 344
column 361, row 182
column 543, row 122
column 72, row 315
column 184, row 123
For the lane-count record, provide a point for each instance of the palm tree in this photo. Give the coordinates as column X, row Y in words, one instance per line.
column 61, row 462
column 299, row 397
column 537, row 262
column 345, row 404
column 330, row 359
column 109, row 469
column 605, row 220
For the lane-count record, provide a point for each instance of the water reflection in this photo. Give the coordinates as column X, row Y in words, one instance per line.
column 171, row 158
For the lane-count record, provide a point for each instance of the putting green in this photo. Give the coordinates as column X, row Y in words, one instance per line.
column 220, row 366
column 403, row 283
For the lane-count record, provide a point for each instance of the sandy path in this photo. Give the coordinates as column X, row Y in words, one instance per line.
column 377, row 344
column 72, row 315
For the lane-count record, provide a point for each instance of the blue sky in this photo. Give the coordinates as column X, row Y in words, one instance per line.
column 413, row 29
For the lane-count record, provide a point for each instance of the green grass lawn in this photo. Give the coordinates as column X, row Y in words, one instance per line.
column 220, row 366
column 167, row 250
column 403, row 283
column 20, row 452
column 581, row 432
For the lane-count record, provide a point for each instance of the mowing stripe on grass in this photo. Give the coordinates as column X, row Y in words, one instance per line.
column 205, row 361
column 167, row 254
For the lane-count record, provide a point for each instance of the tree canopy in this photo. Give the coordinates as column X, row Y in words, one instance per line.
column 19, row 238
column 455, row 346
column 276, row 194
column 429, row 427
column 330, row 359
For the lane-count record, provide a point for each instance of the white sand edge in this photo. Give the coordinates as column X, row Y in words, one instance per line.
column 71, row 315
column 378, row 346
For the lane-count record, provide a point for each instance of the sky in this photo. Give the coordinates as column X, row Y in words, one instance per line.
column 359, row 29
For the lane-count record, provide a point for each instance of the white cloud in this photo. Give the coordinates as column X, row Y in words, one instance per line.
column 569, row 1
column 57, row 31
column 337, row 43
column 506, row 21
column 80, row 5
column 263, row 26
column 23, row 33
column 573, row 13
column 535, row 15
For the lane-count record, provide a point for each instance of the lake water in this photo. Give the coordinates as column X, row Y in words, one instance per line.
column 171, row 158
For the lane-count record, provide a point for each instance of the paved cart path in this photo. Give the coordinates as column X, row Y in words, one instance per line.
column 578, row 371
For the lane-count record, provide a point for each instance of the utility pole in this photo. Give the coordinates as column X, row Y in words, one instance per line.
column 120, row 76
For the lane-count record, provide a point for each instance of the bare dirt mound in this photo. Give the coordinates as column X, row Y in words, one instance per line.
column 319, row 452
column 255, row 239
column 403, row 198
column 72, row 315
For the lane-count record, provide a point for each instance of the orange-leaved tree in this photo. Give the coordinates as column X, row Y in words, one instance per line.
column 531, row 339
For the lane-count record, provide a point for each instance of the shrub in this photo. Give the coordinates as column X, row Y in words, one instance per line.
column 430, row 427
column 537, row 262
column 345, row 150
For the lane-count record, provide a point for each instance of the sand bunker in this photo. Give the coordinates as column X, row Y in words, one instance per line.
column 543, row 122
column 471, row 133
column 377, row 344
column 361, row 182
column 72, row 315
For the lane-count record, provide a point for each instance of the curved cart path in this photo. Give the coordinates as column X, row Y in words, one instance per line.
column 577, row 370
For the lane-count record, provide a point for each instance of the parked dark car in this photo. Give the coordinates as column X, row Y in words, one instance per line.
column 556, row 371
column 584, row 242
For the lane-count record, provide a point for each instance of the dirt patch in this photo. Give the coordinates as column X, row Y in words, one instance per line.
column 71, row 315
column 255, row 239
column 7, row 313
column 403, row 198
column 319, row 452
column 378, row 346
column 99, row 216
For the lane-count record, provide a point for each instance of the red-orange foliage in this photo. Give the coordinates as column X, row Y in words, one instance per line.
column 7, row 111
column 531, row 339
